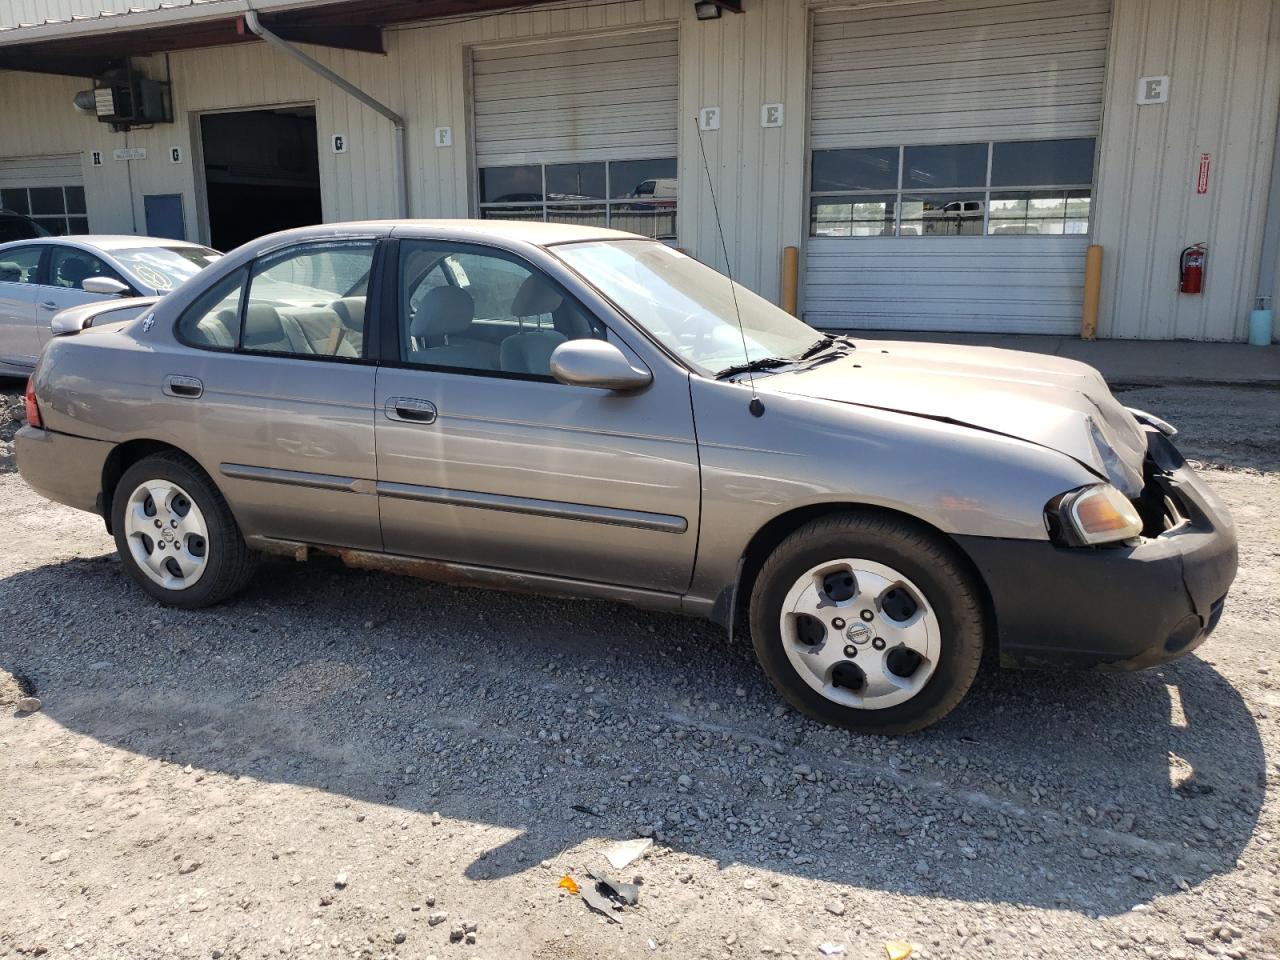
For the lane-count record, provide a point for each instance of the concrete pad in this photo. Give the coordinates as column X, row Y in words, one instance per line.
column 1128, row 361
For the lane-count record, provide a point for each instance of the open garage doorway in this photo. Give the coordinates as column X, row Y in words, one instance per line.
column 261, row 172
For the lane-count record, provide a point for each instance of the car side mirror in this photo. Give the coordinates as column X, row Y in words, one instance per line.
column 596, row 363
column 107, row 286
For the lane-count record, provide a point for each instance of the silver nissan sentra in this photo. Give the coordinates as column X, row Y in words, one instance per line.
column 583, row 412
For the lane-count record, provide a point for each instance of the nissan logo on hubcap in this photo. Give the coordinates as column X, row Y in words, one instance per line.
column 859, row 633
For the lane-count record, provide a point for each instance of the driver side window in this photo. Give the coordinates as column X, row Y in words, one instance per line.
column 483, row 311
column 70, row 268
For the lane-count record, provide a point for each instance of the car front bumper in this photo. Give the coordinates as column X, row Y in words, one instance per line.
column 1119, row 608
column 62, row 467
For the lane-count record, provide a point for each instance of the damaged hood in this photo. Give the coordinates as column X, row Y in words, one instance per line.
column 1057, row 403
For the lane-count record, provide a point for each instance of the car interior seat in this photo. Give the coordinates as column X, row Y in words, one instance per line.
column 73, row 271
column 445, row 316
column 215, row 330
column 265, row 329
column 529, row 350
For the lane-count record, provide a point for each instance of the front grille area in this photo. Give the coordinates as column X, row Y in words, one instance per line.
column 1160, row 506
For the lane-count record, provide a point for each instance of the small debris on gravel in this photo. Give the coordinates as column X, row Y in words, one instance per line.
column 29, row 705
column 622, row 855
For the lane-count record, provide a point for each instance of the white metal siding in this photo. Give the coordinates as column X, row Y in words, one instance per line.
column 1223, row 59
column 953, row 71
column 612, row 97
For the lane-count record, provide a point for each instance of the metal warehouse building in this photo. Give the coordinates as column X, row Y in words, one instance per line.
column 939, row 164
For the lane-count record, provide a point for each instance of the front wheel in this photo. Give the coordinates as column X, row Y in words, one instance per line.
column 176, row 535
column 869, row 622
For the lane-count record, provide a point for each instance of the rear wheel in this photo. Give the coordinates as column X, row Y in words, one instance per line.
column 868, row 622
column 175, row 534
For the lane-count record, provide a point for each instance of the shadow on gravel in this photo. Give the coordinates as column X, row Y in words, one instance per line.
column 569, row 721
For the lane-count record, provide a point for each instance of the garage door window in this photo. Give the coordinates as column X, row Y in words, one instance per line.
column 638, row 196
column 60, row 210
column 1027, row 188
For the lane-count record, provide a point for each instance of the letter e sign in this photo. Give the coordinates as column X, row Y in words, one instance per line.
column 771, row 115
column 339, row 143
column 1153, row 90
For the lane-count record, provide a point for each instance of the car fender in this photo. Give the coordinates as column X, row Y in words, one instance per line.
column 802, row 453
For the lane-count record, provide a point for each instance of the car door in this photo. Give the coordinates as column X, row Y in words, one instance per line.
column 20, row 342
column 63, row 283
column 279, row 394
column 483, row 458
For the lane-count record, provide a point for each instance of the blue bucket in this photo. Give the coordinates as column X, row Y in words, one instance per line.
column 1260, row 328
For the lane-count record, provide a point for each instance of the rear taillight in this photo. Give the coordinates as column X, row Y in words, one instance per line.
column 33, row 408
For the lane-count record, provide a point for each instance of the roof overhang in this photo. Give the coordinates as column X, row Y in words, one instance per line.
column 87, row 47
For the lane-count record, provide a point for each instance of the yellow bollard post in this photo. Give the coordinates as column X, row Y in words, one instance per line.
column 1092, row 292
column 790, row 279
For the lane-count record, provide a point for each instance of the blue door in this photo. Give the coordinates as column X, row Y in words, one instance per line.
column 164, row 216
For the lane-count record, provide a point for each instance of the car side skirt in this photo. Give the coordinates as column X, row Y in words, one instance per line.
column 471, row 575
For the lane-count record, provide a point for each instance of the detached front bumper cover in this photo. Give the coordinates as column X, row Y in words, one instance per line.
column 1121, row 607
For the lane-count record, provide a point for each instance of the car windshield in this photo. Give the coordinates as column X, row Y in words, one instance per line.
column 687, row 306
column 163, row 268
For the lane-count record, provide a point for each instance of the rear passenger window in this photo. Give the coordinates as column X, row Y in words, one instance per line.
column 309, row 301
column 213, row 320
column 20, row 264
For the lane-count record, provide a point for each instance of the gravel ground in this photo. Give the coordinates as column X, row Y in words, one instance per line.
column 350, row 764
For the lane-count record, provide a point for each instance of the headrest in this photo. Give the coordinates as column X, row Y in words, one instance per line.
column 74, row 270
column 535, row 297
column 262, row 325
column 350, row 311
column 444, row 310
column 10, row 272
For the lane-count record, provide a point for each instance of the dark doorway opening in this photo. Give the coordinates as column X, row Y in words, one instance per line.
column 261, row 171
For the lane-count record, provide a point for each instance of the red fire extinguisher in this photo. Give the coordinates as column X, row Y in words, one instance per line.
column 1191, row 268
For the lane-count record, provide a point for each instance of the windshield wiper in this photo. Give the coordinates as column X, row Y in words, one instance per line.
column 817, row 348
column 763, row 363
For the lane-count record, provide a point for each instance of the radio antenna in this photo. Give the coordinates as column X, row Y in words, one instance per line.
column 756, row 406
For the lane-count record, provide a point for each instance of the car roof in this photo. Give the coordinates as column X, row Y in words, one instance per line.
column 112, row 241
column 106, row 242
column 535, row 232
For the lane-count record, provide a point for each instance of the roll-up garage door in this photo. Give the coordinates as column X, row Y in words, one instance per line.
column 952, row 164
column 579, row 131
column 50, row 190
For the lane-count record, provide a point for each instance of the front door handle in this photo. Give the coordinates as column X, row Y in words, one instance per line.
column 410, row 410
column 49, row 305
column 187, row 388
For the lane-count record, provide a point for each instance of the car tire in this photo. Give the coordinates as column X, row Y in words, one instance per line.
column 860, row 573
column 176, row 535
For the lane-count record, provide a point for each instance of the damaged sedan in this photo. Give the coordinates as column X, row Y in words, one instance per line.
column 582, row 412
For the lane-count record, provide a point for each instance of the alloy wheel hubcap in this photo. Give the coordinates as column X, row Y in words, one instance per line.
column 860, row 633
column 167, row 534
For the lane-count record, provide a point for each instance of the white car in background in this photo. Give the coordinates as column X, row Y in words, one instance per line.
column 41, row 276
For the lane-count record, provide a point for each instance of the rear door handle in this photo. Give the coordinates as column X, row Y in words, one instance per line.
column 410, row 410
column 188, row 388
column 49, row 305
